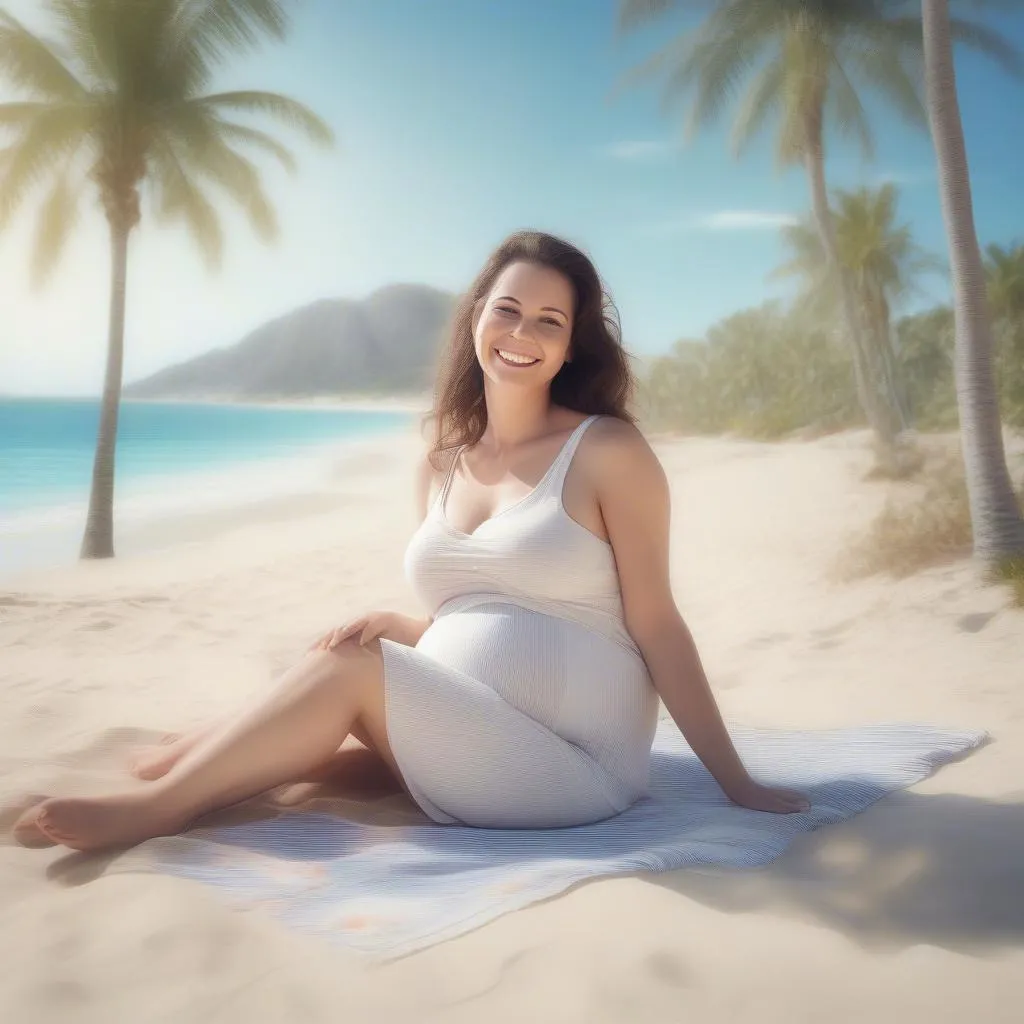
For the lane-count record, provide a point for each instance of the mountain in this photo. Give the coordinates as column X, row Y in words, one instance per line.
column 385, row 343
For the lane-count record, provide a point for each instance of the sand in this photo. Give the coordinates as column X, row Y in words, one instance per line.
column 912, row 911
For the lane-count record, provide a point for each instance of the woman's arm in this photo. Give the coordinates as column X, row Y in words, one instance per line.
column 635, row 503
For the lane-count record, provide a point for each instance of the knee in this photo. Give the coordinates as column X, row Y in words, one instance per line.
column 351, row 648
column 351, row 660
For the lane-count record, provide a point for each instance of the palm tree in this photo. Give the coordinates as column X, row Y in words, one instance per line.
column 995, row 517
column 118, row 105
column 881, row 262
column 804, row 57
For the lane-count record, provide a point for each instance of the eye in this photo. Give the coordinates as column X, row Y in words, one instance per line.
column 507, row 310
column 552, row 321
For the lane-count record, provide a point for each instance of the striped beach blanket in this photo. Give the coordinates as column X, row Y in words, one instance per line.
column 386, row 891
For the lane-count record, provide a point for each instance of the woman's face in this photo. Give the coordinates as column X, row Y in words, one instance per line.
column 524, row 326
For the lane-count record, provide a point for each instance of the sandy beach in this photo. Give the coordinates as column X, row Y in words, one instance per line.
column 912, row 912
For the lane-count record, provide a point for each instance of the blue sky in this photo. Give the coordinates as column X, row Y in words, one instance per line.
column 459, row 121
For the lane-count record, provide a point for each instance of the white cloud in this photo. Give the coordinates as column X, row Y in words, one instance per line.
column 637, row 150
column 722, row 220
column 746, row 220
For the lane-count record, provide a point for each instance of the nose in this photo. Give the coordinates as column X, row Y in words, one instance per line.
column 521, row 329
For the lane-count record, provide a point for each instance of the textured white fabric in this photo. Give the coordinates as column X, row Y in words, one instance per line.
column 525, row 704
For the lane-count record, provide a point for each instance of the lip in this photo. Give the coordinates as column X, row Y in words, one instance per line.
column 515, row 352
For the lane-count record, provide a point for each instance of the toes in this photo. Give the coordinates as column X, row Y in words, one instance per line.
column 57, row 824
column 28, row 830
column 49, row 830
column 34, row 837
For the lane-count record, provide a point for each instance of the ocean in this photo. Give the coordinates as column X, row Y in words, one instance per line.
column 171, row 457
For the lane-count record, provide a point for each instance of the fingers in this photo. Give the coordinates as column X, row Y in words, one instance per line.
column 364, row 626
column 370, row 632
column 340, row 635
column 794, row 802
column 333, row 637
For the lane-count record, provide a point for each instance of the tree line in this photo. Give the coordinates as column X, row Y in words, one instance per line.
column 780, row 369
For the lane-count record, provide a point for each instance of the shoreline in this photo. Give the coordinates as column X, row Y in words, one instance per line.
column 411, row 403
column 353, row 403
column 347, row 467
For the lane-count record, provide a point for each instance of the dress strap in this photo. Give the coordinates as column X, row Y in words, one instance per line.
column 447, row 483
column 560, row 467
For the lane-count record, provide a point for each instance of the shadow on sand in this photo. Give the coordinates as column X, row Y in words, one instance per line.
column 940, row 869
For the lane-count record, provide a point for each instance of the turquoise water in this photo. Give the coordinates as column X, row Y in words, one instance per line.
column 167, row 454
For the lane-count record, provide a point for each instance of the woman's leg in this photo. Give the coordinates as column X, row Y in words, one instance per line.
column 155, row 761
column 297, row 728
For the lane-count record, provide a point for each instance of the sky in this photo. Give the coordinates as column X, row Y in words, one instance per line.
column 458, row 121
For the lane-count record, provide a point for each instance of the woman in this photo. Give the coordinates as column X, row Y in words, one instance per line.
column 529, row 697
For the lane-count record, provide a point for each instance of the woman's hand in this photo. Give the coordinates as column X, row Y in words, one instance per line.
column 767, row 798
column 373, row 625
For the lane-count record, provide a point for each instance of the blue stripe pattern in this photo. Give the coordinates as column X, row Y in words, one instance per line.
column 389, row 891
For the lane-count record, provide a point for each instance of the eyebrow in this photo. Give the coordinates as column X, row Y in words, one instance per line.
column 544, row 309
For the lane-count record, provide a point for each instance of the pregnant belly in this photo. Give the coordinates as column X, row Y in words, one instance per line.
column 572, row 680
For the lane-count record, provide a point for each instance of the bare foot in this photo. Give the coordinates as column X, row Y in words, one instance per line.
column 94, row 823
column 24, row 830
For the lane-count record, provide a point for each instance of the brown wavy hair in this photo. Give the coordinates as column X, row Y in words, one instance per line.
column 598, row 380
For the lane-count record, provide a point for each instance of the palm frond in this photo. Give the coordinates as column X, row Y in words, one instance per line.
column 201, row 34
column 282, row 108
column 90, row 34
column 891, row 67
column 29, row 62
column 232, row 132
column 989, row 42
column 51, row 137
column 180, row 198
column 634, row 13
column 724, row 53
column 762, row 98
column 663, row 59
column 847, row 110
column 240, row 180
column 56, row 220
column 214, row 28
column 204, row 154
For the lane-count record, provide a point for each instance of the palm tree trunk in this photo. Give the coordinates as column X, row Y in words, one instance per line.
column 870, row 402
column 892, row 377
column 995, row 517
column 98, row 540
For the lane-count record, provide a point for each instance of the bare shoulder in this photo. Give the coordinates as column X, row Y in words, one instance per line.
column 617, row 454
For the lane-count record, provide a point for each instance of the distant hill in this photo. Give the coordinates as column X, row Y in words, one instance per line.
column 386, row 343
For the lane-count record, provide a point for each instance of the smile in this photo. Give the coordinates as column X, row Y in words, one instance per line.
column 514, row 358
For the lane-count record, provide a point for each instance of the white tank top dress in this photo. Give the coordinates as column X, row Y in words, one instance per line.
column 526, row 704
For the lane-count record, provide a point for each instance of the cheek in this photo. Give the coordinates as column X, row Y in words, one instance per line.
column 558, row 346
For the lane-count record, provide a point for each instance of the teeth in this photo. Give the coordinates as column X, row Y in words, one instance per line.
column 513, row 357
